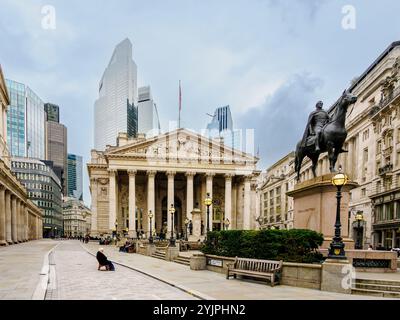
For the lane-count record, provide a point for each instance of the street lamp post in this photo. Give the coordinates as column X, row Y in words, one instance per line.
column 359, row 218
column 208, row 203
column 336, row 250
column 151, row 231
column 186, row 228
column 171, row 239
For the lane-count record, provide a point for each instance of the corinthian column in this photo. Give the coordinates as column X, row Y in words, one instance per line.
column 8, row 218
column 132, row 203
column 3, row 241
column 228, row 199
column 189, row 194
column 171, row 199
column 246, row 207
column 14, row 221
column 94, row 225
column 151, row 200
column 112, row 198
column 26, row 214
column 209, row 189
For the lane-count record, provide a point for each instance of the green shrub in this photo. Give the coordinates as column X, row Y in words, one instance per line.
column 289, row 245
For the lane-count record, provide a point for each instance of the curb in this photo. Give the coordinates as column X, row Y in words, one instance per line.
column 41, row 288
column 193, row 293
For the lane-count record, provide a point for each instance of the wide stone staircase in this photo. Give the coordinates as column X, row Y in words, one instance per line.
column 161, row 253
column 377, row 288
column 183, row 260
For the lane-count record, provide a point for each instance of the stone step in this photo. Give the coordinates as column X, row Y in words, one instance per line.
column 159, row 255
column 378, row 282
column 378, row 287
column 375, row 293
column 183, row 260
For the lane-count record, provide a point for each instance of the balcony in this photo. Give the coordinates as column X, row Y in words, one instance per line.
column 385, row 169
column 385, row 102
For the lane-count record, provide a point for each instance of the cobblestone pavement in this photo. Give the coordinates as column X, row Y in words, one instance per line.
column 75, row 276
column 20, row 267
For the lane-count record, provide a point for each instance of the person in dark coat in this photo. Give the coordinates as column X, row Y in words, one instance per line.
column 103, row 261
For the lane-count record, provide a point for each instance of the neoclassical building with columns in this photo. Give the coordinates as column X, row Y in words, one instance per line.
column 179, row 168
column 20, row 218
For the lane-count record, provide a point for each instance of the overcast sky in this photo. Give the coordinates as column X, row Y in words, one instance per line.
column 271, row 60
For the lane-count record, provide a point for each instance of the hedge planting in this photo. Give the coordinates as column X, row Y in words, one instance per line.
column 294, row 245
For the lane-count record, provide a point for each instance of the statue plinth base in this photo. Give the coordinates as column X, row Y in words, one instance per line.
column 315, row 208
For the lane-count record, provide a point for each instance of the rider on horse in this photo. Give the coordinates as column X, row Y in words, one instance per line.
column 316, row 122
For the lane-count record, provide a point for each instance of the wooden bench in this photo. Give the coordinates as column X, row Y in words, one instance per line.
column 263, row 269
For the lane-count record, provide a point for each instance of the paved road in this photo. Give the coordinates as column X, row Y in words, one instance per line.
column 76, row 277
column 20, row 267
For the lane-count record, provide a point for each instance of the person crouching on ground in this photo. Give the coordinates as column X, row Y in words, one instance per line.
column 103, row 261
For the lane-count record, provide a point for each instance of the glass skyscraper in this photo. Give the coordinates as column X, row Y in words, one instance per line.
column 221, row 126
column 75, row 187
column 25, row 122
column 148, row 120
column 112, row 113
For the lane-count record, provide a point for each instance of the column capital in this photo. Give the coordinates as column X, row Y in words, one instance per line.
column 210, row 174
column 171, row 173
column 113, row 171
column 190, row 174
column 247, row 178
column 132, row 172
column 229, row 176
column 151, row 173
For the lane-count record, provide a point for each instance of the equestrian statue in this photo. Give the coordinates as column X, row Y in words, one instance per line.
column 324, row 134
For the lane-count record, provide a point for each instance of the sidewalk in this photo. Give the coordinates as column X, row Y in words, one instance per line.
column 211, row 285
column 20, row 267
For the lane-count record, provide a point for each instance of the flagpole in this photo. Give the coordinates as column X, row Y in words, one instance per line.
column 180, row 105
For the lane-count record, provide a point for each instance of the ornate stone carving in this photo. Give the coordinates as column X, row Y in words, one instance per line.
column 190, row 173
column 151, row 173
column 171, row 173
column 103, row 181
column 132, row 172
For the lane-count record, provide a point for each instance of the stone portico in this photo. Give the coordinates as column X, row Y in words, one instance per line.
column 180, row 167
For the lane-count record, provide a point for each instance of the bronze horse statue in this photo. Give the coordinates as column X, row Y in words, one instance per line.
column 332, row 138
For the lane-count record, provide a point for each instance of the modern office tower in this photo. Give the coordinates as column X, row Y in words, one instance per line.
column 221, row 126
column 75, row 186
column 114, row 110
column 56, row 144
column 44, row 190
column 148, row 120
column 52, row 112
column 25, row 122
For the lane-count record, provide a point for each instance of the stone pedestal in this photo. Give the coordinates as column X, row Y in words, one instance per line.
column 150, row 249
column 172, row 253
column 196, row 220
column 336, row 276
column 315, row 208
column 198, row 262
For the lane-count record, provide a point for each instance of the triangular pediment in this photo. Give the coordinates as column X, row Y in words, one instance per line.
column 180, row 144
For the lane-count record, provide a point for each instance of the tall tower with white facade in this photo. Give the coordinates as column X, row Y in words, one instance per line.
column 148, row 120
column 115, row 109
